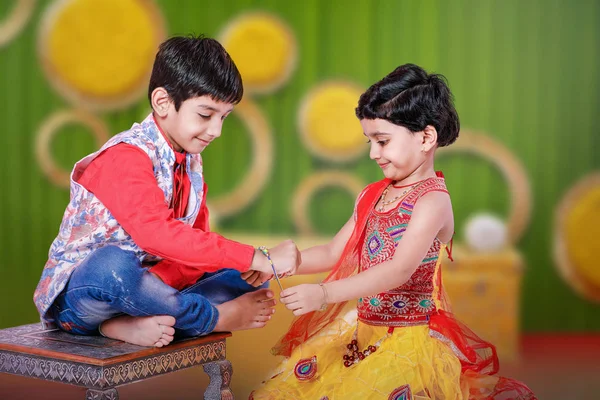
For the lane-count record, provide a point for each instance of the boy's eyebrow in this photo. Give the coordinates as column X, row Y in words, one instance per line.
column 213, row 108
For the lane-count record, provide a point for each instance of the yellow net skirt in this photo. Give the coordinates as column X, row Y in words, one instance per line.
column 409, row 360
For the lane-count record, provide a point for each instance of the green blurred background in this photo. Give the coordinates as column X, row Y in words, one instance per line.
column 523, row 72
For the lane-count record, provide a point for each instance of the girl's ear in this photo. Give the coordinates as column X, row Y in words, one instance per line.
column 429, row 138
column 161, row 101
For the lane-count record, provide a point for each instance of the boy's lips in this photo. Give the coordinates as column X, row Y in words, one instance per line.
column 383, row 165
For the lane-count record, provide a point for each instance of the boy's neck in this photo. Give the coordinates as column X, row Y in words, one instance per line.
column 162, row 131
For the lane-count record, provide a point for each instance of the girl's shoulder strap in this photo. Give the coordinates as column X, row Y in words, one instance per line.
column 437, row 184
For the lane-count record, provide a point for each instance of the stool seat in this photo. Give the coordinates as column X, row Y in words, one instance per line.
column 101, row 364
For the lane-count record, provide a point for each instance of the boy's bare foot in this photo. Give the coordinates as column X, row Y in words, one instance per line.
column 249, row 311
column 154, row 331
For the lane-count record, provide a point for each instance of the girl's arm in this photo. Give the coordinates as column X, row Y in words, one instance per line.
column 431, row 214
column 323, row 258
column 313, row 260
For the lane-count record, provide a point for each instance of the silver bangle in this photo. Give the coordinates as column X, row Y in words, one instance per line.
column 324, row 305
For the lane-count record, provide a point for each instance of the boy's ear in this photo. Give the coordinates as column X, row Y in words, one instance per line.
column 429, row 138
column 161, row 101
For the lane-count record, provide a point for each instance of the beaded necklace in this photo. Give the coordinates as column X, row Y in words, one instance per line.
column 384, row 202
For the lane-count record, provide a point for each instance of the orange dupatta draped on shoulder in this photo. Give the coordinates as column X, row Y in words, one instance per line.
column 306, row 326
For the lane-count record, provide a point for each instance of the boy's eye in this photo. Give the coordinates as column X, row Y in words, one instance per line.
column 369, row 141
column 204, row 116
column 382, row 142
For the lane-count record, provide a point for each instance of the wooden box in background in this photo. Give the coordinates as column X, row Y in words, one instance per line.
column 484, row 291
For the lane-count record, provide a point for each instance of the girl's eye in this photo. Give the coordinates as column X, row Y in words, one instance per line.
column 369, row 141
column 204, row 116
column 382, row 142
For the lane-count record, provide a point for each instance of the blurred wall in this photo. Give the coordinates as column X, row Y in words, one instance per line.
column 524, row 73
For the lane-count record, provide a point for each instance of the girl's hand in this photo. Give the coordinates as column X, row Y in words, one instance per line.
column 304, row 298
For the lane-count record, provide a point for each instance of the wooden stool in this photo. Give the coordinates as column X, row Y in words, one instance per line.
column 101, row 364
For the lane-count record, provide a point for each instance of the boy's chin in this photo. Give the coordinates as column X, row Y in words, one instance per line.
column 195, row 149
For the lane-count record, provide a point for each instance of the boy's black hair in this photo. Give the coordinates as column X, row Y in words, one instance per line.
column 411, row 98
column 191, row 66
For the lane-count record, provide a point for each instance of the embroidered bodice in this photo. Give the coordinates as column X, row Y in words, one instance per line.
column 411, row 303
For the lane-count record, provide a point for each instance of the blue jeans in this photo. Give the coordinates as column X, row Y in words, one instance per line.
column 112, row 281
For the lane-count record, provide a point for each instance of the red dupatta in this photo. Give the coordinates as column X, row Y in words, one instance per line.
column 478, row 358
column 306, row 326
column 474, row 353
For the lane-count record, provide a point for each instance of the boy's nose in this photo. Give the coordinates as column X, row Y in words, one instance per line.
column 214, row 130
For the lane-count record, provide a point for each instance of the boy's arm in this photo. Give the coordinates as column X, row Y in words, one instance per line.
column 431, row 213
column 323, row 258
column 122, row 178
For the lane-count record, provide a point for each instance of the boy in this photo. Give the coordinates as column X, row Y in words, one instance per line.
column 134, row 259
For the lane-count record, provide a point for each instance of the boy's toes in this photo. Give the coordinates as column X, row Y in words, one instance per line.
column 270, row 303
column 168, row 330
column 263, row 294
column 262, row 318
column 166, row 320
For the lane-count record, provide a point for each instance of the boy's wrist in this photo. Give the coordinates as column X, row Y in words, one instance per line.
column 260, row 262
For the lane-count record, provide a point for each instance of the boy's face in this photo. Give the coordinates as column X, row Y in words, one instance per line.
column 196, row 124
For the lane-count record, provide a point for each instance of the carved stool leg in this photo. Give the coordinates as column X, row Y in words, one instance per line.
column 108, row 394
column 219, row 373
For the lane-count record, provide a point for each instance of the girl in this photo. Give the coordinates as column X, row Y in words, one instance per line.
column 401, row 342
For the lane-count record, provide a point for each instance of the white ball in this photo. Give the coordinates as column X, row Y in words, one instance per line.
column 485, row 232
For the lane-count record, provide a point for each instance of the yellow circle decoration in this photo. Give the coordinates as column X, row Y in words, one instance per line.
column 98, row 54
column 16, row 20
column 576, row 233
column 328, row 124
column 263, row 48
column 513, row 171
column 312, row 185
column 262, row 160
column 50, row 127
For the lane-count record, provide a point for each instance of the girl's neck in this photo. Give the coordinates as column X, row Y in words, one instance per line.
column 420, row 174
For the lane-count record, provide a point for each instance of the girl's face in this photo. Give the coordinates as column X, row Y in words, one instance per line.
column 397, row 151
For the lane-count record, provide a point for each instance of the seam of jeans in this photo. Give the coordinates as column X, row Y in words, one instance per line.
column 213, row 320
column 107, row 295
column 202, row 282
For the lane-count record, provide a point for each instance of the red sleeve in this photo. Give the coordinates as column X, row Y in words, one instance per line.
column 122, row 178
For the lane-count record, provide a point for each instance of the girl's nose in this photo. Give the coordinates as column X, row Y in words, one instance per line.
column 374, row 153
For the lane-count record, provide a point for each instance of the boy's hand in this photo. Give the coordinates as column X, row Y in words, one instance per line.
column 256, row 278
column 286, row 258
column 304, row 298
